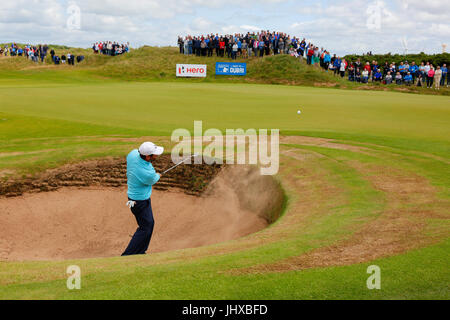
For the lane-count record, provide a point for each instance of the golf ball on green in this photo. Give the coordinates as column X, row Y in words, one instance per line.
column 299, row 112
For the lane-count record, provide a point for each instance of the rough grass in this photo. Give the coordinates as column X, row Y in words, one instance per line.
column 328, row 202
column 158, row 64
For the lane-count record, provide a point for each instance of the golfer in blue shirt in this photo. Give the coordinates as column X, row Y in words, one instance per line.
column 141, row 176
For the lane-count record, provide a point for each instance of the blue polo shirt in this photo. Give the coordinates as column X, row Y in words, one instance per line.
column 140, row 177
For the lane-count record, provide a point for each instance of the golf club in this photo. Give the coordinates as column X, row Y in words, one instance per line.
column 193, row 156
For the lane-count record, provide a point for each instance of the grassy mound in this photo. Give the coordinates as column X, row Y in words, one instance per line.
column 158, row 64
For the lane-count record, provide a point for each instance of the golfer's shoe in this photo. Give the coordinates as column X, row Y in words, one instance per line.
column 130, row 204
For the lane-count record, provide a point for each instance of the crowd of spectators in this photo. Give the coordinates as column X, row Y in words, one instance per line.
column 259, row 44
column 240, row 45
column 110, row 48
column 405, row 73
column 32, row 52
column 39, row 53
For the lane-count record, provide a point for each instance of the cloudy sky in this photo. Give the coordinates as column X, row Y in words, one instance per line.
column 342, row 26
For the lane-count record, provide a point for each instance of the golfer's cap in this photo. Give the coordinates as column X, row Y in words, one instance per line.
column 149, row 148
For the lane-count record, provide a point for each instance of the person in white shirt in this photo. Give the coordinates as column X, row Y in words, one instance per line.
column 235, row 50
column 365, row 76
column 342, row 68
column 388, row 78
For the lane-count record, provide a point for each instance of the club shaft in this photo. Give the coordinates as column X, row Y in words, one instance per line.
column 176, row 165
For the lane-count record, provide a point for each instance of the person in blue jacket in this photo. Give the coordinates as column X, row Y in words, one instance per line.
column 444, row 75
column 326, row 60
column 408, row 79
column 337, row 65
column 378, row 75
column 141, row 176
column 413, row 70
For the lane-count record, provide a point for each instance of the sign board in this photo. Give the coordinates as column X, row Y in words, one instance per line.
column 191, row 70
column 231, row 68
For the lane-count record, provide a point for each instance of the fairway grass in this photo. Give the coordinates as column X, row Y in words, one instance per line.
column 336, row 159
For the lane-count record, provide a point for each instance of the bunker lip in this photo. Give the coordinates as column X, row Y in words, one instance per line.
column 111, row 172
column 78, row 211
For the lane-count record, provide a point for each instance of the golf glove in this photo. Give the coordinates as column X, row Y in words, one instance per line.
column 130, row 204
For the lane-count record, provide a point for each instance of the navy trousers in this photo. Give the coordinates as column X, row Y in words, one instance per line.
column 140, row 241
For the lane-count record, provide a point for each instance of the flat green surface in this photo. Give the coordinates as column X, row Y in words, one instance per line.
column 415, row 122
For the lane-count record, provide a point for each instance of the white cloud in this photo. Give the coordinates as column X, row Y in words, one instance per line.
column 337, row 25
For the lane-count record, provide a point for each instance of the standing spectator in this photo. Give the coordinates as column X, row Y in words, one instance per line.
column 385, row 69
column 342, row 68
column 261, row 48
column 444, row 74
column 203, row 48
column 426, row 70
column 244, row 49
column 186, row 46
column 437, row 78
column 310, row 55
column 419, row 80
column 222, row 47
column 337, row 65
column 430, row 77
column 281, row 45
column 190, row 46
column 302, row 48
column 326, row 60
column 43, row 52
column 413, row 69
column 239, row 44
column 422, row 70
column 180, row 44
column 210, row 47
column 406, row 69
column 235, row 51
column 375, row 68
column 267, row 44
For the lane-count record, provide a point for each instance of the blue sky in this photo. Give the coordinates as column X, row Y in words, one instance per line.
column 342, row 26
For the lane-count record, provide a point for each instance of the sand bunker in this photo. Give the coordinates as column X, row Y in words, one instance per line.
column 93, row 221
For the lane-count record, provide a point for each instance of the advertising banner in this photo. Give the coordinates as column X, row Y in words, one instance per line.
column 191, row 70
column 231, row 68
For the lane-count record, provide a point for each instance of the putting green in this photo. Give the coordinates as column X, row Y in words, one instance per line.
column 366, row 175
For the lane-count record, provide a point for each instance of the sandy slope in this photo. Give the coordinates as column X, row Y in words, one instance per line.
column 94, row 221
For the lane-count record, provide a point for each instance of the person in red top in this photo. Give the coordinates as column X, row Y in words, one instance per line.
column 221, row 47
column 310, row 54
column 430, row 77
